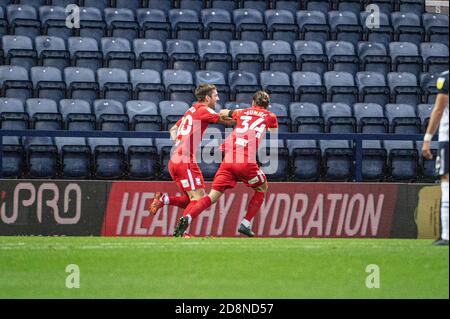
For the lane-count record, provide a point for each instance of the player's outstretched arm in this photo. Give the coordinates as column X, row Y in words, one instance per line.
column 226, row 118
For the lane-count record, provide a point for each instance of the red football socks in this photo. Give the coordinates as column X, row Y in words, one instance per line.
column 254, row 205
column 199, row 207
column 180, row 201
column 189, row 207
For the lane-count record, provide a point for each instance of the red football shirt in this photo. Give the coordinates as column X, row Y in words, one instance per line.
column 251, row 125
column 190, row 131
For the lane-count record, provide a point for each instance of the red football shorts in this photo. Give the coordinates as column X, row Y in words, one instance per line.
column 229, row 174
column 188, row 176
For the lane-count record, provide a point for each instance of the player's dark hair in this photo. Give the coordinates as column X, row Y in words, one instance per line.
column 262, row 99
column 204, row 90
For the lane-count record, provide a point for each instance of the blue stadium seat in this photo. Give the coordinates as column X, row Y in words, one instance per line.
column 42, row 157
column 246, row 56
column 98, row 4
column 117, row 53
column 48, row 83
column 374, row 161
column 179, row 85
column 284, row 121
column 147, row 85
column 53, row 19
column 195, row 5
column 341, row 87
column 250, row 25
column 3, row 23
column 310, row 56
column 313, row 26
column 110, row 115
column 81, row 84
column 23, row 20
column 372, row 87
column 407, row 27
column 354, row 6
column 186, row 25
column 278, row 56
column 43, row 114
column 14, row 82
column 218, row 25
column 345, row 26
column 77, row 115
column 260, row 5
column 289, row 5
column 323, row 6
column 337, row 160
column 114, row 84
column 404, row 88
column 85, row 53
column 143, row 116
column 306, row 118
column 109, row 158
column 19, row 51
column 306, row 160
column 142, row 158
column 13, row 157
column 402, row 161
column 402, row 118
column 75, row 157
column 405, row 57
column 373, row 57
column 154, row 24
column 436, row 27
column 243, row 85
column 278, row 85
column 424, row 113
column 377, row 28
column 428, row 172
column 172, row 111
column 308, row 86
column 342, row 56
column 132, row 5
column 370, row 118
column 12, row 114
column 51, row 51
column 434, row 56
column 92, row 23
column 414, row 6
column 164, row 5
column 228, row 5
column 281, row 25
column 182, row 55
column 338, row 118
column 428, row 85
column 214, row 56
column 274, row 161
column 216, row 78
column 384, row 6
column 121, row 23
column 150, row 54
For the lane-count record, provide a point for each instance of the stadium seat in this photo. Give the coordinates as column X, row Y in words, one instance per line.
column 43, row 114
column 338, row 118
column 154, row 23
column 85, row 53
column 305, row 160
column 114, row 84
column 250, row 25
column 340, row 87
column 373, row 57
column 12, row 114
column 53, row 19
column 77, row 115
column 428, row 85
column 284, row 121
column 404, row 88
column 313, row 26
column 142, row 158
column 109, row 158
column 147, row 85
column 13, row 157
column 143, row 116
column 92, row 23
column 81, row 84
column 260, row 5
column 196, row 5
column 311, row 57
column 47, row 82
column 110, row 115
column 345, row 26
column 436, row 27
column 3, row 23
column 23, row 20
column 214, row 56
column 216, row 78
column 402, row 161
column 405, row 57
column 354, row 6
column 121, row 23
column 414, row 6
column 132, row 5
column 407, row 27
column 384, row 6
column 150, row 54
column 41, row 157
column 323, row 6
column 51, row 51
column 182, row 55
column 434, row 56
column 377, row 28
column 278, row 56
column 308, row 87
column 289, row 5
column 370, row 118
column 428, row 172
column 403, row 119
column 186, row 25
column 179, row 85
column 117, row 53
column 98, row 4
column 243, row 85
column 306, row 118
column 246, row 56
column 424, row 113
column 342, row 56
column 18, row 51
column 374, row 161
column 172, row 111
column 75, row 157
column 373, row 88
column 218, row 25
column 14, row 82
column 228, row 5
column 164, row 5
column 337, row 160
column 273, row 158
column 281, row 25
column 278, row 85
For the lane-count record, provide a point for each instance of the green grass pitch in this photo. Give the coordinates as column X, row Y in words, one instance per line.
column 35, row 267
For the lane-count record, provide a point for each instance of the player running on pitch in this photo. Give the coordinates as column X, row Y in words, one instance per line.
column 187, row 134
column 239, row 163
column 440, row 114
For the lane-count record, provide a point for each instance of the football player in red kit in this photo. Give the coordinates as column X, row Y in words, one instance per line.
column 239, row 162
column 187, row 134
